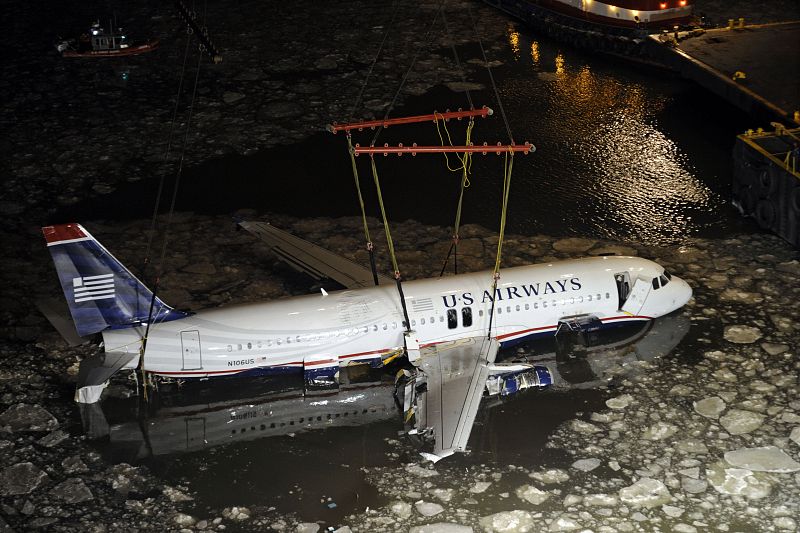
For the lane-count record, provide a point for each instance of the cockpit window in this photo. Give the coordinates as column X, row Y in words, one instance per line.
column 667, row 275
column 656, row 286
column 664, row 280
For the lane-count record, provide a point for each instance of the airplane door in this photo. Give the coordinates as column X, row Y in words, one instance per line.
column 637, row 297
column 190, row 345
column 195, row 433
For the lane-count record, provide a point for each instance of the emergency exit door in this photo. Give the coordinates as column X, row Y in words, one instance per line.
column 190, row 346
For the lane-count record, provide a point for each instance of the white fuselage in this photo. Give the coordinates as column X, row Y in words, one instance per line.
column 368, row 324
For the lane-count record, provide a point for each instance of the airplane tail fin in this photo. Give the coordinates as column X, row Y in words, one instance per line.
column 100, row 291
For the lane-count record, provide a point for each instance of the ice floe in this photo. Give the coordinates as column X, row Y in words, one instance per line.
column 516, row 521
column 738, row 421
column 738, row 481
column 710, row 407
column 646, row 492
column 740, row 334
column 532, row 495
column 762, row 459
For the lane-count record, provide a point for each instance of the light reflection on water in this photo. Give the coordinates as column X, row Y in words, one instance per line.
column 606, row 165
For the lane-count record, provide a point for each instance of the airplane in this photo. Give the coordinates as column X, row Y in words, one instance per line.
column 203, row 418
column 448, row 338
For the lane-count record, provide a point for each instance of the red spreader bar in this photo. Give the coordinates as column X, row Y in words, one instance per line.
column 414, row 149
column 447, row 115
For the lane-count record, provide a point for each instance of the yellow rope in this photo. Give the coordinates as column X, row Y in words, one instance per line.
column 351, row 151
column 466, row 160
column 385, row 221
column 508, row 166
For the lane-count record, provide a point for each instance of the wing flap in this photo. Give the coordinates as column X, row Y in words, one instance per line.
column 314, row 260
column 455, row 373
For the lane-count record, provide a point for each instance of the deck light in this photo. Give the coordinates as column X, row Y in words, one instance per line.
column 663, row 5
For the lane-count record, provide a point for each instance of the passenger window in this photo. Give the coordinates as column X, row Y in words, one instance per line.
column 452, row 319
column 536, row 305
column 230, row 348
column 599, row 297
column 517, row 308
column 466, row 316
column 413, row 322
column 480, row 312
column 422, row 321
column 527, row 307
column 249, row 345
column 499, row 310
column 240, row 346
column 385, row 326
column 433, row 320
column 508, row 309
column 544, row 304
column 590, row 297
column 608, row 296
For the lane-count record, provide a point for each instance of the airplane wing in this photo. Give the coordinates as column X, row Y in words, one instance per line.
column 455, row 374
column 314, row 260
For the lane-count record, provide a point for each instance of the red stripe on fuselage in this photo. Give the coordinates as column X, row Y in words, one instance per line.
column 62, row 232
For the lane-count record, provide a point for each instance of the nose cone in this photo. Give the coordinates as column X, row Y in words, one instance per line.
column 683, row 292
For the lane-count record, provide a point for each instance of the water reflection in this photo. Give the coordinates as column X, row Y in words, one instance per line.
column 517, row 430
column 247, row 442
column 583, row 361
column 603, row 155
column 513, row 41
column 202, row 418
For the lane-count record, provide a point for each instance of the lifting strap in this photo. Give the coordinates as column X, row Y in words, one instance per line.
column 466, row 167
column 507, row 168
column 392, row 255
column 370, row 247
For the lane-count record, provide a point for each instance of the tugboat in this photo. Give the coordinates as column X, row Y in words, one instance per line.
column 618, row 27
column 97, row 43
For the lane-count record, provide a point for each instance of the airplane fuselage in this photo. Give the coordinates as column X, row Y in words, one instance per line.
column 368, row 324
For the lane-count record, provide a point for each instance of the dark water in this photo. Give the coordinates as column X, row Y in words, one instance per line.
column 622, row 153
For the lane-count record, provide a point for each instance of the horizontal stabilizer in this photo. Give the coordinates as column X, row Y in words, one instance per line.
column 97, row 369
column 311, row 259
column 57, row 313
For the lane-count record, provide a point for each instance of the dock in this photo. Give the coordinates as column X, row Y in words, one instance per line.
column 766, row 180
column 756, row 68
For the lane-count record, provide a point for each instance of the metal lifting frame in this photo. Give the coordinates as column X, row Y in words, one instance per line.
column 414, row 149
column 447, row 115
column 190, row 18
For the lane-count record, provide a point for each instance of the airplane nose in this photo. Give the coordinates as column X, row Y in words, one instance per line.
column 684, row 293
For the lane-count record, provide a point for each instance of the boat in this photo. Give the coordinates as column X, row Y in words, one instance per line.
column 610, row 26
column 99, row 43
